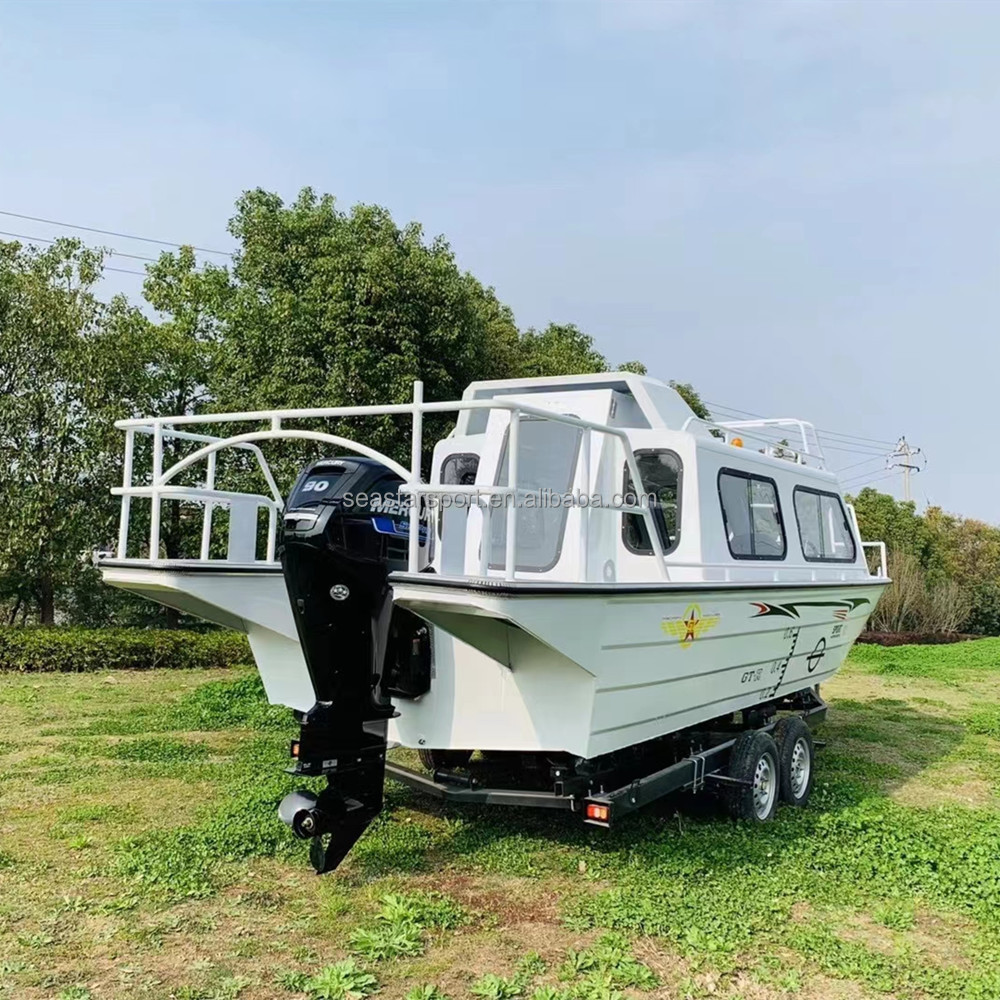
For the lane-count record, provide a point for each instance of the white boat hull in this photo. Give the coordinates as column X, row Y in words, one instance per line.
column 593, row 672
column 526, row 669
column 252, row 600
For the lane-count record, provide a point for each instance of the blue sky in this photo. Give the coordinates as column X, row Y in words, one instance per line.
column 793, row 206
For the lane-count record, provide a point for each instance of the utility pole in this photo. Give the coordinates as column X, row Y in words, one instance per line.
column 905, row 452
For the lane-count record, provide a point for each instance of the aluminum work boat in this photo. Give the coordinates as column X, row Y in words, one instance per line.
column 594, row 597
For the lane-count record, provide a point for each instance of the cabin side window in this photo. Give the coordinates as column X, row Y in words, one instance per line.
column 546, row 463
column 751, row 514
column 660, row 472
column 824, row 530
column 458, row 469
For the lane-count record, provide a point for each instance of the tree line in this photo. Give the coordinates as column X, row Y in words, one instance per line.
column 318, row 307
column 945, row 568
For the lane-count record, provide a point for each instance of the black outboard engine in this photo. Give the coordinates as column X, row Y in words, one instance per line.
column 345, row 529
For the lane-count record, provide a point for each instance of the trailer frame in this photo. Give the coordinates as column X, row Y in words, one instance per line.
column 612, row 791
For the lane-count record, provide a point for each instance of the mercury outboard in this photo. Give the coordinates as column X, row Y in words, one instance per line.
column 346, row 528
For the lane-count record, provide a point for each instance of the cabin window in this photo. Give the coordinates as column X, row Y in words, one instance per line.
column 752, row 515
column 546, row 464
column 660, row 472
column 457, row 469
column 460, row 469
column 824, row 530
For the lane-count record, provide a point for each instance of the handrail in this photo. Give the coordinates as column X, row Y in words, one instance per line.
column 883, row 570
column 281, row 434
column 167, row 427
column 781, row 422
column 726, row 429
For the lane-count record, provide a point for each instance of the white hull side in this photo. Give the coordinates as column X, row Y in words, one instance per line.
column 645, row 680
column 585, row 673
column 253, row 602
column 256, row 603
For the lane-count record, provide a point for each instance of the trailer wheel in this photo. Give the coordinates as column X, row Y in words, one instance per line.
column 754, row 763
column 444, row 760
column 795, row 756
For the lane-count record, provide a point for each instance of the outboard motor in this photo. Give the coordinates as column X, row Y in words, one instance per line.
column 346, row 528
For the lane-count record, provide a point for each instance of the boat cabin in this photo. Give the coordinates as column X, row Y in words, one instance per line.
column 726, row 500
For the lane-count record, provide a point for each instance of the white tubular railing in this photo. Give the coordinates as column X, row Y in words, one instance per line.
column 883, row 560
column 883, row 557
column 210, row 496
column 513, row 442
column 806, row 452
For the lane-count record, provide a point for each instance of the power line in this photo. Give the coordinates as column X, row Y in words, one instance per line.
column 109, row 232
column 853, row 438
column 125, row 270
column 869, row 482
column 862, row 477
column 836, row 435
column 105, row 267
column 864, row 461
column 854, row 451
column 42, row 239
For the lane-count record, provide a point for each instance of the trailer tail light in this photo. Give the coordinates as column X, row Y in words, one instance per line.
column 597, row 812
column 294, row 749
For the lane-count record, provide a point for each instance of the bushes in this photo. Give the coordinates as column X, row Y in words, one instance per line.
column 78, row 650
column 985, row 616
column 911, row 603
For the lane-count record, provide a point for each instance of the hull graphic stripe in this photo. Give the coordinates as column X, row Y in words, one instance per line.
column 813, row 681
column 708, row 673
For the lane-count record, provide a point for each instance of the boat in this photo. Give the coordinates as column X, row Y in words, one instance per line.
column 600, row 594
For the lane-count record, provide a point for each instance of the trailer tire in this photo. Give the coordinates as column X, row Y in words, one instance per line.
column 796, row 757
column 444, row 760
column 754, row 762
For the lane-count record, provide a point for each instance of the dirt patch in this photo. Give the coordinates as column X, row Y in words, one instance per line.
column 744, row 987
column 933, row 697
column 941, row 938
column 915, row 638
column 860, row 928
column 671, row 969
column 508, row 901
column 457, row 960
column 950, row 783
column 824, row 988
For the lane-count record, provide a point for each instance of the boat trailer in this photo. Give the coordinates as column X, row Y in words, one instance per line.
column 601, row 790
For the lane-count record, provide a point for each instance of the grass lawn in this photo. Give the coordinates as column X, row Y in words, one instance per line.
column 140, row 857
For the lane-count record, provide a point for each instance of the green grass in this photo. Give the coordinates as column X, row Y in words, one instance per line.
column 945, row 662
column 142, row 857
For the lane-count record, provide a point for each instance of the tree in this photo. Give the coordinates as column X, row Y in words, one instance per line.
column 69, row 367
column 690, row 396
column 559, row 349
column 633, row 368
column 882, row 517
column 968, row 550
column 332, row 308
column 190, row 300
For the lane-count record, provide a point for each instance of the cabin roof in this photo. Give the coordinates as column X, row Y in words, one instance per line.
column 661, row 405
